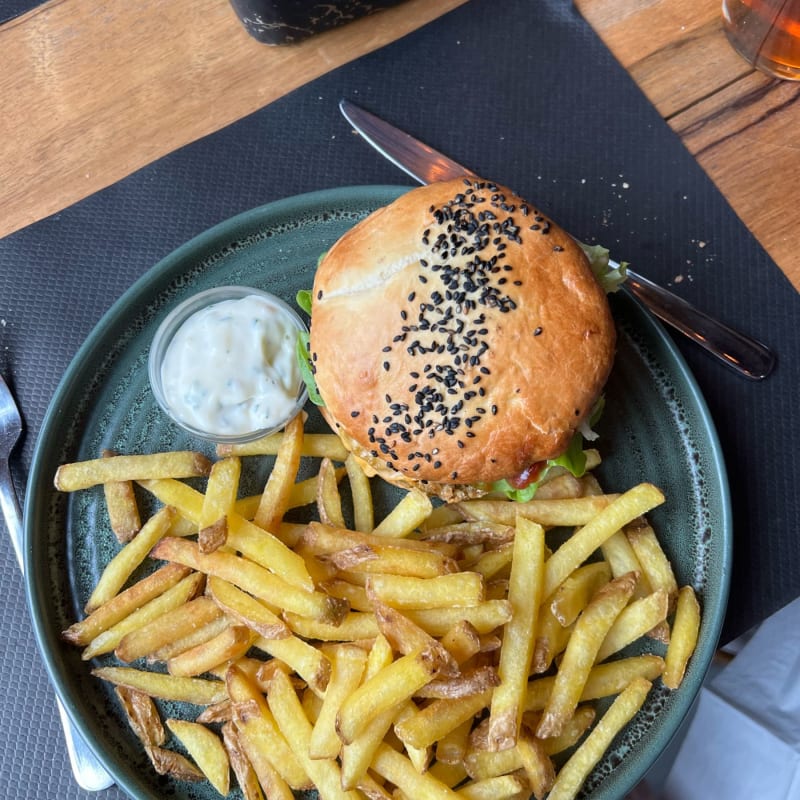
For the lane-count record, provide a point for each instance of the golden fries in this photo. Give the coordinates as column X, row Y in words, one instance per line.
column 525, row 596
column 447, row 652
column 83, row 474
column 573, row 672
column 123, row 511
column 574, row 772
column 206, row 749
column 685, row 631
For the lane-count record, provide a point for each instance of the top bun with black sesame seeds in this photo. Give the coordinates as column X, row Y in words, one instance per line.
column 458, row 336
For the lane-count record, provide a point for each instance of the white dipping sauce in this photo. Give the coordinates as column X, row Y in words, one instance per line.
column 231, row 367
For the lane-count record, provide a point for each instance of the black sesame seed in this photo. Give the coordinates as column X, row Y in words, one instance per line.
column 354, row 414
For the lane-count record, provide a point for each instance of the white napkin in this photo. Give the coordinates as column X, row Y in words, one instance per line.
column 744, row 738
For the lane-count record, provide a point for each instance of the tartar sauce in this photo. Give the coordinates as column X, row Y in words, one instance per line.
column 231, row 369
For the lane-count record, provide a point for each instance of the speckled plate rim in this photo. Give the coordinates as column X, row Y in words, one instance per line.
column 626, row 774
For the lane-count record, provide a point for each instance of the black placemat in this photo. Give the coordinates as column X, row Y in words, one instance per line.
column 522, row 92
column 14, row 8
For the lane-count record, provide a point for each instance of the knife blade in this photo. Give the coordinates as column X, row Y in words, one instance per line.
column 742, row 353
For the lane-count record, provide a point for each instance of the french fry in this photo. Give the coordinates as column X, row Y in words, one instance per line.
column 123, row 511
column 587, row 637
column 275, row 497
column 483, row 764
column 406, row 516
column 251, row 577
column 348, row 663
column 536, row 762
column 142, row 716
column 655, row 564
column 584, row 542
column 246, row 609
column 493, row 563
column 576, row 726
column 125, row 603
column 226, row 646
column 462, row 641
column 635, row 621
column 501, row 787
column 621, row 558
column 356, row 625
column 172, row 598
column 550, row 640
column 242, row 768
column 208, row 752
column 363, row 508
column 440, row 717
column 222, row 489
column 563, row 513
column 573, row 773
column 166, row 628
column 315, row 445
column 484, row 617
column 525, row 596
column 273, row 760
column 420, row 757
column 407, row 637
column 403, row 592
column 168, row 762
column 326, row 539
column 397, row 769
column 196, row 637
column 257, row 544
column 469, row 682
column 368, row 559
column 385, row 690
column 329, row 501
column 174, row 464
column 307, row 661
column 219, row 712
column 356, row 756
column 471, row 533
column 355, row 595
column 452, row 748
column 685, row 631
column 305, row 492
column 604, row 680
column 122, row 566
column 197, row 691
column 571, row 597
column 294, row 725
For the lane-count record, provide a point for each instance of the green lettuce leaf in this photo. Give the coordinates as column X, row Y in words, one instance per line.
column 303, row 299
column 306, row 372
column 610, row 278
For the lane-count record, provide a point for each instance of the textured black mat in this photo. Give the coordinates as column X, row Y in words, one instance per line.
column 523, row 93
column 14, row 8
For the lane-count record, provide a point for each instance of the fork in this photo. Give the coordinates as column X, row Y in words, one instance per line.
column 89, row 773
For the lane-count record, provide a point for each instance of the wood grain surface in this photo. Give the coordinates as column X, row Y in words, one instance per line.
column 93, row 91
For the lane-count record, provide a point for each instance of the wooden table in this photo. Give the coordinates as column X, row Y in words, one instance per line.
column 93, row 91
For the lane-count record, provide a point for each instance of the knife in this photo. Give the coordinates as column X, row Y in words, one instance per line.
column 743, row 354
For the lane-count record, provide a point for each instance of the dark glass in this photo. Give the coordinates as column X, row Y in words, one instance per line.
column 288, row 21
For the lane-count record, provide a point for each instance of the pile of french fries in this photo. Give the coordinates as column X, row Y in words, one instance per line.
column 441, row 652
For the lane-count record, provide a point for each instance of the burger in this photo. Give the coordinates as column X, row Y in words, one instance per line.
column 460, row 341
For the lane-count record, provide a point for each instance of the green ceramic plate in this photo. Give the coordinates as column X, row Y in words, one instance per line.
column 656, row 427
